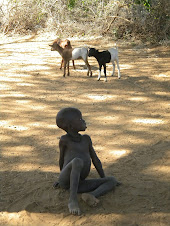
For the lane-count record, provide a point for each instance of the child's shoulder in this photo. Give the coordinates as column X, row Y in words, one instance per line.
column 64, row 138
column 87, row 137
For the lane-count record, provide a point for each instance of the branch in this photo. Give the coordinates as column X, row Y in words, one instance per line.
column 121, row 18
column 114, row 18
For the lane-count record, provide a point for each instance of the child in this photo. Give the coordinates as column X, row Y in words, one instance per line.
column 76, row 153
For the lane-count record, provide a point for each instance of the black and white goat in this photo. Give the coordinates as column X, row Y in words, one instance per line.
column 103, row 57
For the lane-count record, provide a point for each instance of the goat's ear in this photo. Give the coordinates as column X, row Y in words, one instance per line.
column 50, row 45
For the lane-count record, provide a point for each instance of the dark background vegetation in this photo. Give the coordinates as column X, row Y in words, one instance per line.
column 146, row 20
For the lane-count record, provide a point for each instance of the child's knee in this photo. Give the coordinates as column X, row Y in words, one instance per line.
column 112, row 181
column 78, row 163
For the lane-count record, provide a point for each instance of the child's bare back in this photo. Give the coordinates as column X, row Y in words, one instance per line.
column 76, row 154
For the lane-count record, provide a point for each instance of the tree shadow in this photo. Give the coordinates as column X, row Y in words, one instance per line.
column 127, row 120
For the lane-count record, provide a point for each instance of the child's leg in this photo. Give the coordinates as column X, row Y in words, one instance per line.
column 94, row 188
column 69, row 178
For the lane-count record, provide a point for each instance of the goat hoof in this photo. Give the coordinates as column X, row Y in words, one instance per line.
column 68, row 74
column 63, row 75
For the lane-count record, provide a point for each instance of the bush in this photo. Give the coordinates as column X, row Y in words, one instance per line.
column 148, row 20
column 21, row 16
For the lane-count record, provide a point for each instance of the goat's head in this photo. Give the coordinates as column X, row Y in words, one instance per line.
column 65, row 44
column 92, row 52
column 54, row 46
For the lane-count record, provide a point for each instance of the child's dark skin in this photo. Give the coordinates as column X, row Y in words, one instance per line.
column 76, row 153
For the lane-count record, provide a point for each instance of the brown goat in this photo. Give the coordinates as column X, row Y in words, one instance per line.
column 65, row 44
column 72, row 54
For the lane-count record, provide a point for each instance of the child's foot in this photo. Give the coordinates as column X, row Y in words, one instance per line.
column 74, row 208
column 90, row 199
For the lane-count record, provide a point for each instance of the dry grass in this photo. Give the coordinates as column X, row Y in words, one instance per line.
column 117, row 19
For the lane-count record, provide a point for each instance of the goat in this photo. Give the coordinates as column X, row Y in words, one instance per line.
column 72, row 54
column 104, row 57
column 65, row 44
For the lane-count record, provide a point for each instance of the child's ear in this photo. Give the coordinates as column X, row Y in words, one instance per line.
column 70, row 127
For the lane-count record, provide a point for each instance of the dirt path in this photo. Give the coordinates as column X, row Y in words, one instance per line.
column 128, row 121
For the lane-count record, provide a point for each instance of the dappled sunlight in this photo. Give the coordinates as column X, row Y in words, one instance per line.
column 119, row 153
column 35, row 67
column 125, row 66
column 81, row 70
column 23, row 102
column 163, row 76
column 159, row 171
column 89, row 219
column 162, row 93
column 101, row 97
column 9, row 124
column 111, row 120
column 22, row 150
column 25, row 84
column 24, row 167
column 36, row 107
column 148, row 121
column 13, row 94
column 9, row 79
column 141, row 99
column 10, row 216
column 127, row 120
column 4, row 87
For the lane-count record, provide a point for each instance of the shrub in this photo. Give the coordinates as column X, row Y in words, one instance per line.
column 148, row 20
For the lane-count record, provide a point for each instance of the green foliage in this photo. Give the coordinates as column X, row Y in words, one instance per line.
column 146, row 3
column 71, row 4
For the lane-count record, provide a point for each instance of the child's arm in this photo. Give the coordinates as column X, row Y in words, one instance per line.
column 96, row 161
column 62, row 147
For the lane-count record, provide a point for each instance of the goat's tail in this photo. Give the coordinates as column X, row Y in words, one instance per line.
column 116, row 46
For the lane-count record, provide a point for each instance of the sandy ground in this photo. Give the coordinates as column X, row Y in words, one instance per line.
column 128, row 121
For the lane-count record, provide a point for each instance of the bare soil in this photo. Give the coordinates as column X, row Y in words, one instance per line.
column 128, row 120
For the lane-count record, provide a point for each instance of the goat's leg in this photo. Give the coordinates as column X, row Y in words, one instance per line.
column 61, row 63
column 73, row 65
column 99, row 76
column 105, row 73
column 68, row 72
column 113, row 68
column 65, row 64
column 88, row 67
column 119, row 75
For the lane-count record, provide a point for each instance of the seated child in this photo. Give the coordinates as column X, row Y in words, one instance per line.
column 76, row 153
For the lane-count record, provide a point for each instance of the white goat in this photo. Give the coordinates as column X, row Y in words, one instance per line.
column 72, row 54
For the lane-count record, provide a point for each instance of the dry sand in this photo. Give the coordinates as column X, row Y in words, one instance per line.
column 128, row 120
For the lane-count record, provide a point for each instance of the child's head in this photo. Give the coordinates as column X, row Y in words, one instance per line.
column 70, row 119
